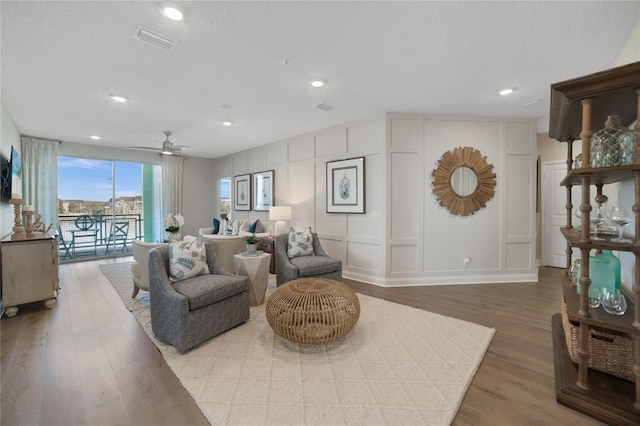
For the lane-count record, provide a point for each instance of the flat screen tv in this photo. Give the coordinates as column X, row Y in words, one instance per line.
column 16, row 173
column 11, row 176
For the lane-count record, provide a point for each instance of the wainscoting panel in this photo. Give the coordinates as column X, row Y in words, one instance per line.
column 519, row 256
column 405, row 134
column 331, row 143
column 257, row 160
column 301, row 149
column 404, row 259
column 301, row 195
column 276, row 154
column 520, row 138
column 366, row 138
column 405, row 199
column 520, row 193
column 364, row 257
column 239, row 166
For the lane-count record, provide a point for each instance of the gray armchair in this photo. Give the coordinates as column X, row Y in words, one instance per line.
column 189, row 312
column 318, row 265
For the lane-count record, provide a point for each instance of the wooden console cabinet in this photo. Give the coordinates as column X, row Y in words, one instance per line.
column 29, row 271
column 267, row 246
column 577, row 106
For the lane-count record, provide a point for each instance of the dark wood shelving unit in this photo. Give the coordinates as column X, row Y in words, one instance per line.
column 575, row 105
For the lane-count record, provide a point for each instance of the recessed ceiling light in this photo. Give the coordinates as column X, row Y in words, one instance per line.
column 317, row 83
column 227, row 123
column 172, row 11
column 95, row 137
column 119, row 98
column 505, row 92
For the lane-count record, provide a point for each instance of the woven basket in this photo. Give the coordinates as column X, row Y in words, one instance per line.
column 611, row 351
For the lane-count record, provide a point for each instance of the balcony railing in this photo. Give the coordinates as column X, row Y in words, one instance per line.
column 98, row 241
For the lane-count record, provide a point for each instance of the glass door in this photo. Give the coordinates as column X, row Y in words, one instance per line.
column 103, row 205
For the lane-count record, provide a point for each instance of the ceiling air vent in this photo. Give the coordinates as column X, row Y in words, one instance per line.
column 154, row 38
column 324, row 107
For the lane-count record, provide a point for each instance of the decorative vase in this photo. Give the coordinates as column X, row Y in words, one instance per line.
column 614, row 264
column 251, row 248
column 601, row 273
column 614, row 145
column 174, row 236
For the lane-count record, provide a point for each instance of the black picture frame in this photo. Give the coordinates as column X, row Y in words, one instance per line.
column 346, row 186
column 242, row 192
column 263, row 187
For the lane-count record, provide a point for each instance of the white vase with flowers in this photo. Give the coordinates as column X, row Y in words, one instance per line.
column 172, row 224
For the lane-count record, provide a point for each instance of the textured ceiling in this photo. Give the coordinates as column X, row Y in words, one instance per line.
column 60, row 61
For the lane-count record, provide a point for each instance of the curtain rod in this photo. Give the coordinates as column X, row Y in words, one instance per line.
column 42, row 139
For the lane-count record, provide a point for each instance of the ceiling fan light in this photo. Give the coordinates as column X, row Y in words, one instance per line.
column 172, row 11
column 317, row 83
column 95, row 137
column 166, row 152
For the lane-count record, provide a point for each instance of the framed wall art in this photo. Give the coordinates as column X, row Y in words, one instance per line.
column 263, row 190
column 242, row 192
column 345, row 186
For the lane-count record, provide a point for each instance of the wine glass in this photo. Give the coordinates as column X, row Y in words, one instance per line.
column 595, row 296
column 621, row 217
column 596, row 218
column 613, row 301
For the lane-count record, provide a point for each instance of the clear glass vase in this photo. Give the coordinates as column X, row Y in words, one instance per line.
column 614, row 145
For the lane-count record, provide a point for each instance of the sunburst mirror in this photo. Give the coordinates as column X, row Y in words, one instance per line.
column 464, row 181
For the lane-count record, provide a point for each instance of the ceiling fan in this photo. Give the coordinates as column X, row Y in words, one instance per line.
column 168, row 148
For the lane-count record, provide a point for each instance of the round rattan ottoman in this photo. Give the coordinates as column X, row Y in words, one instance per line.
column 313, row 310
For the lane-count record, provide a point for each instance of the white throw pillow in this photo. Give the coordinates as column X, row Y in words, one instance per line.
column 245, row 225
column 187, row 259
column 300, row 244
column 236, row 227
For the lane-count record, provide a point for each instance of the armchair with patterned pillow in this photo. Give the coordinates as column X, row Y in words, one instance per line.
column 192, row 298
column 300, row 255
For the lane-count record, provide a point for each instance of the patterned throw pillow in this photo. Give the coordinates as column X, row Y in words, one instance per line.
column 300, row 244
column 187, row 259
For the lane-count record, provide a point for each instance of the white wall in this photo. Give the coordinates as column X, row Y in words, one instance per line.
column 405, row 237
column 9, row 136
column 427, row 244
column 299, row 166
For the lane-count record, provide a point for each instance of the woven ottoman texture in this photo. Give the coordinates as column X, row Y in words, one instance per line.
column 313, row 310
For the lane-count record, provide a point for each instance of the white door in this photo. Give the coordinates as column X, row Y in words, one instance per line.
column 554, row 214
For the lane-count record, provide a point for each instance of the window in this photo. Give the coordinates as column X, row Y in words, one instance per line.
column 108, row 194
column 225, row 195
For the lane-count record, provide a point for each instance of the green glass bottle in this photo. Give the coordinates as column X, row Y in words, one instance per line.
column 614, row 264
column 600, row 272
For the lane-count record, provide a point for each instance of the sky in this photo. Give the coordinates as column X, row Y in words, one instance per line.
column 91, row 180
column 225, row 188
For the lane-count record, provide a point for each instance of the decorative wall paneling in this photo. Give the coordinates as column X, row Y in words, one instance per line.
column 405, row 237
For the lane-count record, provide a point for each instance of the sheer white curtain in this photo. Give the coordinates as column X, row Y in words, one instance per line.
column 171, row 185
column 40, row 177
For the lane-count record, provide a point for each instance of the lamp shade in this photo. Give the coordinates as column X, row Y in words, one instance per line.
column 280, row 213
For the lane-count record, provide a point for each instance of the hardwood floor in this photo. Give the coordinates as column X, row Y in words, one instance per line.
column 88, row 362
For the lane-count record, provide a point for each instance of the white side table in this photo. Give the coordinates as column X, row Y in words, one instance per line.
column 256, row 268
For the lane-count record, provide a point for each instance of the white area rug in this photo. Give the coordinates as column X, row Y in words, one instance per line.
column 398, row 366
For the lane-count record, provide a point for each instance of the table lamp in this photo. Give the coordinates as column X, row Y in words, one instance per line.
column 280, row 214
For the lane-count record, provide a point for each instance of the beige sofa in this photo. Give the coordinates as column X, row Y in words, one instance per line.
column 226, row 246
